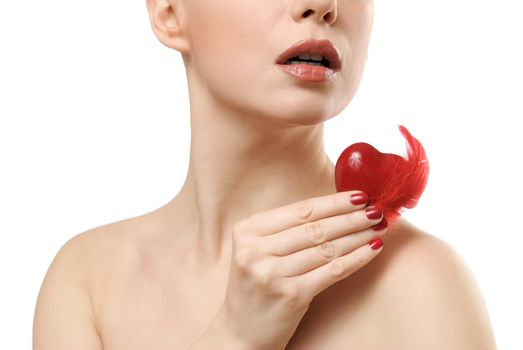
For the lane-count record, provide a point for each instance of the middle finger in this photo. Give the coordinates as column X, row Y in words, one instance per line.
column 317, row 232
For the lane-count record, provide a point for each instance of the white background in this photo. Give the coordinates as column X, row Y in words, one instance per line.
column 94, row 128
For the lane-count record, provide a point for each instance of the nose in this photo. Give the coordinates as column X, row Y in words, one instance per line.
column 318, row 10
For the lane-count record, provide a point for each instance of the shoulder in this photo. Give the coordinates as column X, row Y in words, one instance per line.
column 426, row 296
column 430, row 294
column 97, row 247
column 100, row 256
column 64, row 309
column 418, row 293
column 81, row 254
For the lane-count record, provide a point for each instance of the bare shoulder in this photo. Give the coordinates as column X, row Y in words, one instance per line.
column 418, row 293
column 101, row 246
column 84, row 253
column 64, row 314
column 116, row 243
column 104, row 256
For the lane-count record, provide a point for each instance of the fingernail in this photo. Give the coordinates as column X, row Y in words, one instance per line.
column 359, row 198
column 373, row 213
column 382, row 225
column 376, row 243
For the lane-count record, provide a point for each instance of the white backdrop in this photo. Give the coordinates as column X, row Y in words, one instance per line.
column 94, row 128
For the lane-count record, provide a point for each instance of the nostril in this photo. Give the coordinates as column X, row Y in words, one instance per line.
column 327, row 17
column 306, row 14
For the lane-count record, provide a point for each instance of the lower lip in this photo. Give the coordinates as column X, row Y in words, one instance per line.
column 307, row 72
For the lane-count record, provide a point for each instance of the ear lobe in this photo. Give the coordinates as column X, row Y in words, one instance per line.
column 165, row 17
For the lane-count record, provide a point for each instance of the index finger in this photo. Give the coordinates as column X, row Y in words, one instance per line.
column 307, row 210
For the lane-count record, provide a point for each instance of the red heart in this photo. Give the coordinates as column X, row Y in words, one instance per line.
column 390, row 181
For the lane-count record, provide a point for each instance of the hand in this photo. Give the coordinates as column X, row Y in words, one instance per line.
column 282, row 258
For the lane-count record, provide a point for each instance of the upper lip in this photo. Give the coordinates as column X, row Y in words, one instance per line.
column 313, row 46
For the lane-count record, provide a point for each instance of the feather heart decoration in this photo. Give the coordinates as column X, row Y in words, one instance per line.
column 390, row 181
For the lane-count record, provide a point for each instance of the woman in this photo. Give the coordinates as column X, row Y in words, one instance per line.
column 257, row 250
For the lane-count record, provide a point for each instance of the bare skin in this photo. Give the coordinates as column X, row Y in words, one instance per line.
column 148, row 292
column 158, row 280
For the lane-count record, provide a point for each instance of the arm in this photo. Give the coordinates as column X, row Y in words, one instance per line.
column 63, row 317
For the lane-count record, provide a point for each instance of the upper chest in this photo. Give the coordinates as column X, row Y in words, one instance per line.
column 143, row 299
column 147, row 307
column 142, row 302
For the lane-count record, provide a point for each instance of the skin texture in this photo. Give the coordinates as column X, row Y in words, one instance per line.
column 250, row 124
column 157, row 281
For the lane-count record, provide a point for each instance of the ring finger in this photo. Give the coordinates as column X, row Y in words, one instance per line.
column 317, row 232
column 308, row 259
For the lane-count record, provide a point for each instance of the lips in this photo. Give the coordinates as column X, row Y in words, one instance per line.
column 316, row 47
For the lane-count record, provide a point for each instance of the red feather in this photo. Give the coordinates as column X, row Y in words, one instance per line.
column 391, row 182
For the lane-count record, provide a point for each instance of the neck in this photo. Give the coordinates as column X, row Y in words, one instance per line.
column 241, row 165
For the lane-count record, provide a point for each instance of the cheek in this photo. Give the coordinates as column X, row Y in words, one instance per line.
column 357, row 27
column 211, row 38
column 230, row 47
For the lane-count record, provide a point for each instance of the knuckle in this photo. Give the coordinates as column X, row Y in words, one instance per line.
column 337, row 268
column 327, row 250
column 244, row 256
column 336, row 201
column 351, row 220
column 265, row 275
column 240, row 227
column 315, row 232
column 294, row 297
column 303, row 209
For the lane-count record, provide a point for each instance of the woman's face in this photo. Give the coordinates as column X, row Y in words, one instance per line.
column 233, row 45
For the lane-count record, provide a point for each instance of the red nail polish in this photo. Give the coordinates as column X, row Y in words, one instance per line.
column 376, row 243
column 373, row 213
column 382, row 225
column 359, row 198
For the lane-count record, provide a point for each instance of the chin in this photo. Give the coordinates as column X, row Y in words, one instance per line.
column 302, row 118
column 297, row 112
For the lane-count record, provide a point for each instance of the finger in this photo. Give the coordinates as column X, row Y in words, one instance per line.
column 298, row 213
column 315, row 281
column 308, row 259
column 316, row 233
